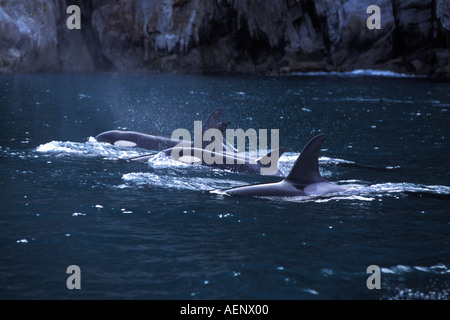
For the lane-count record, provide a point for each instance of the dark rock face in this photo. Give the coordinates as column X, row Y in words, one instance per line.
column 24, row 38
column 267, row 36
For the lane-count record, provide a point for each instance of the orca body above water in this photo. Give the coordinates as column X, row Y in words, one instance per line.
column 138, row 140
column 304, row 179
column 157, row 143
column 232, row 161
column 186, row 150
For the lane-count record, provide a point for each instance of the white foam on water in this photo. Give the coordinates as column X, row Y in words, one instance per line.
column 161, row 160
column 361, row 192
column 391, row 187
column 91, row 148
column 177, row 181
column 356, row 73
column 355, row 190
column 439, row 268
column 291, row 157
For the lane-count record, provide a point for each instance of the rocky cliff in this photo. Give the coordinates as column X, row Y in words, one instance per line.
column 267, row 36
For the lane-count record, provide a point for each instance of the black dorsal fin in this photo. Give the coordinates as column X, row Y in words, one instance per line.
column 306, row 169
column 213, row 121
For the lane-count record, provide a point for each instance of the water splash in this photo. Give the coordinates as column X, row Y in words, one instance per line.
column 176, row 180
column 361, row 192
column 91, row 148
column 161, row 160
column 355, row 190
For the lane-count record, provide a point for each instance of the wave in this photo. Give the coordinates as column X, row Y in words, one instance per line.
column 175, row 181
column 91, row 148
column 413, row 294
column 355, row 189
column 358, row 191
column 439, row 268
column 357, row 73
column 161, row 160
column 409, row 189
column 437, row 287
column 287, row 160
column 366, row 99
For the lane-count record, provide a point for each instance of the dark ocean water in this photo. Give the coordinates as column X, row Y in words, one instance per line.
column 155, row 231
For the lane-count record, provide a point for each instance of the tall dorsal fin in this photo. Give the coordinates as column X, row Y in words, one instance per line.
column 212, row 122
column 306, row 169
column 265, row 161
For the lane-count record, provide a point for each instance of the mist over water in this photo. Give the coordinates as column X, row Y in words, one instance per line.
column 163, row 230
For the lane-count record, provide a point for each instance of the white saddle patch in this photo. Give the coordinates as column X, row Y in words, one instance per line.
column 124, row 143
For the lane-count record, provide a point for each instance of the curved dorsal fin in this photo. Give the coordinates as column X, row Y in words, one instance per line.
column 213, row 122
column 306, row 169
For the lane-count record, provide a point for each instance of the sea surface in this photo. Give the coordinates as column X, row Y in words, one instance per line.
column 163, row 230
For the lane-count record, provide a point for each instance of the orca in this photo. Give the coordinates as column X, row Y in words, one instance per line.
column 138, row 139
column 304, row 179
column 157, row 143
column 232, row 161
